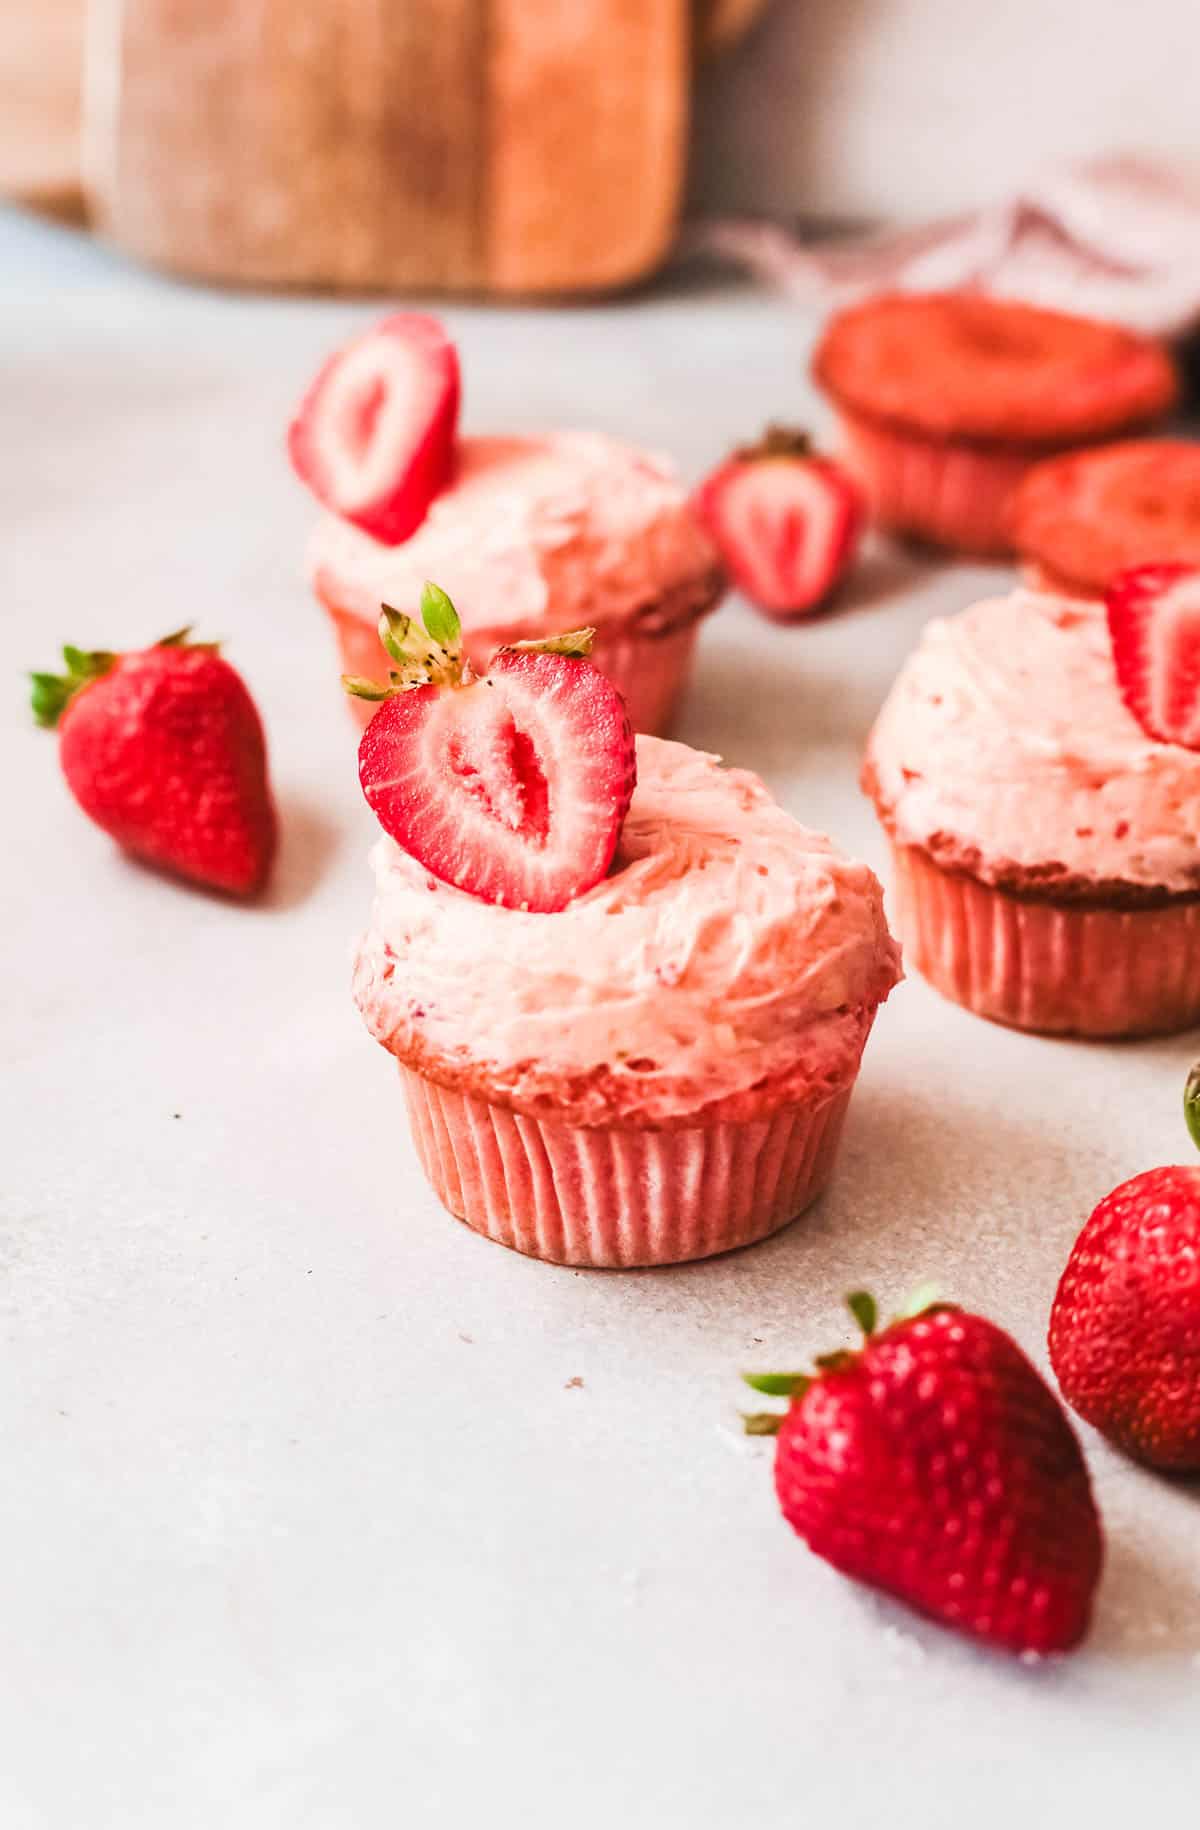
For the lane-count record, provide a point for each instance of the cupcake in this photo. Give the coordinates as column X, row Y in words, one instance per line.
column 533, row 536
column 628, row 1019
column 1079, row 520
column 946, row 401
column 1045, row 847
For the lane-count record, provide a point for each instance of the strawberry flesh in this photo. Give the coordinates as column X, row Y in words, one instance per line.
column 512, row 787
column 1154, row 626
column 786, row 526
column 374, row 435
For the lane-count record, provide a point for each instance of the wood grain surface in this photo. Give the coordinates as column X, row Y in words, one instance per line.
column 471, row 145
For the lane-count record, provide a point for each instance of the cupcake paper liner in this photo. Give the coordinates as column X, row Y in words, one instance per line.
column 620, row 1197
column 1058, row 968
column 957, row 495
column 649, row 670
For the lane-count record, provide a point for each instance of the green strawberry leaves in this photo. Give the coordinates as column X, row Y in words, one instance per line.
column 51, row 693
column 778, row 1385
column 865, row 1310
column 428, row 653
column 575, row 642
column 440, row 617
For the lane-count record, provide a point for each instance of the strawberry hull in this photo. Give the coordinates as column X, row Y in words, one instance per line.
column 609, row 1197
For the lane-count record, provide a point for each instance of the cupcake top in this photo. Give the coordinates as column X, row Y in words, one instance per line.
column 730, row 962
column 538, row 535
column 1005, row 749
column 965, row 366
column 1086, row 516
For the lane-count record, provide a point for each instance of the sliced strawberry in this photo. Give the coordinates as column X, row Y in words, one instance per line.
column 785, row 520
column 1154, row 624
column 374, row 436
column 511, row 786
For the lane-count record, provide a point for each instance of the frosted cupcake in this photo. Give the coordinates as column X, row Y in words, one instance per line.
column 1045, row 847
column 947, row 400
column 1081, row 519
column 653, row 1065
column 532, row 536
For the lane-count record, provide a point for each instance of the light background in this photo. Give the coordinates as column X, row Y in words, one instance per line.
column 303, row 1523
column 905, row 107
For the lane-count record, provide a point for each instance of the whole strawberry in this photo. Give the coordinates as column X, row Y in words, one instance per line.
column 935, row 1463
column 1125, row 1326
column 786, row 521
column 164, row 749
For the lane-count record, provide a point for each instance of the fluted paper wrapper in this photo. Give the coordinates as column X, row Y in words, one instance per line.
column 608, row 1197
column 649, row 670
column 956, row 495
column 1053, row 967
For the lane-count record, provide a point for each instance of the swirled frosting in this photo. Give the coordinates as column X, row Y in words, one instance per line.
column 534, row 534
column 731, row 959
column 1006, row 749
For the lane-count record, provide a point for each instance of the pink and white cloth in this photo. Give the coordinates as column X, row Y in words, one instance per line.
column 1116, row 238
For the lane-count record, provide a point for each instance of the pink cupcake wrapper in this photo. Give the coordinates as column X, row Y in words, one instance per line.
column 608, row 1197
column 1057, row 968
column 957, row 495
column 649, row 670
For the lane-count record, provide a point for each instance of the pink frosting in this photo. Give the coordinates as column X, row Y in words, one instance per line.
column 534, row 534
column 730, row 947
column 1005, row 743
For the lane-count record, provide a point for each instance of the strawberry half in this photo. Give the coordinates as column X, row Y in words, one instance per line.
column 785, row 520
column 935, row 1462
column 1154, row 625
column 511, row 785
column 163, row 748
column 374, row 436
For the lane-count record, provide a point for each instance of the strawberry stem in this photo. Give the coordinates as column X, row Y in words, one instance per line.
column 1191, row 1104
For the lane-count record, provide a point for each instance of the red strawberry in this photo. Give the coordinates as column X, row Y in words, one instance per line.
column 785, row 520
column 1125, row 1326
column 935, row 1463
column 1154, row 624
column 513, row 785
column 164, row 749
column 374, row 436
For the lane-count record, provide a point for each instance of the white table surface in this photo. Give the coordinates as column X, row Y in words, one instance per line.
column 306, row 1520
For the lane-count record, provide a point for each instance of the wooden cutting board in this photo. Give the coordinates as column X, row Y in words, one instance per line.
column 511, row 146
column 41, row 68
